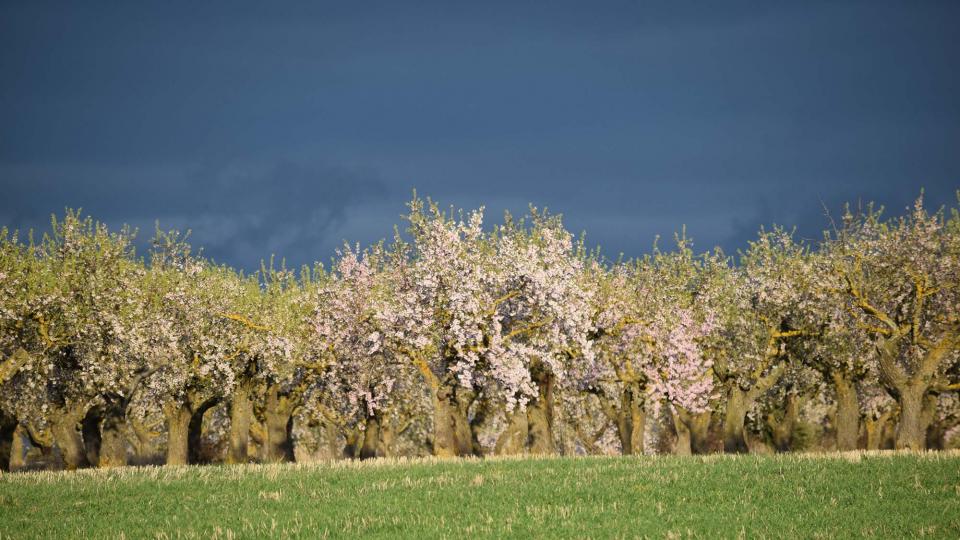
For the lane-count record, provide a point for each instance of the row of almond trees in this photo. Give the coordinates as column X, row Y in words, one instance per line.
column 455, row 339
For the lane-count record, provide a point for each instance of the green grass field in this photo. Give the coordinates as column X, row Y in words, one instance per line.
column 873, row 495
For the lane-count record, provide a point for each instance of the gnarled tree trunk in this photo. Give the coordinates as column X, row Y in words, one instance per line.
column 531, row 430
column 372, row 444
column 177, row 416
column 144, row 441
column 353, row 441
column 699, row 426
column 63, row 427
column 540, row 417
column 682, row 446
column 18, row 448
column 734, row 438
column 113, row 446
column 513, row 440
column 631, row 418
column 241, row 413
column 452, row 435
column 848, row 411
column 782, row 430
column 739, row 401
column 911, row 431
column 278, row 419
column 874, row 430
column 90, row 428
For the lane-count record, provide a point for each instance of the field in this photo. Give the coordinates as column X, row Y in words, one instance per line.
column 856, row 494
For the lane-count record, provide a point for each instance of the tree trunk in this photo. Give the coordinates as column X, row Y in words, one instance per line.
column 875, row 430
column 630, row 419
column 278, row 420
column 68, row 439
column 144, row 442
column 683, row 446
column 18, row 450
column 848, row 411
column 513, row 440
column 372, row 448
column 241, row 412
column 352, row 439
column 699, row 426
column 479, row 422
column 444, row 424
column 178, row 433
column 734, row 439
column 113, row 447
column 781, row 431
column 453, row 434
column 328, row 448
column 911, row 432
column 540, row 418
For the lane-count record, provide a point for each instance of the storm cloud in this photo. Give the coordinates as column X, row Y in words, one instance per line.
column 290, row 129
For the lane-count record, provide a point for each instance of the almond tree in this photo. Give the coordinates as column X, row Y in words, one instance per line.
column 359, row 366
column 281, row 349
column 841, row 350
column 538, row 343
column 649, row 342
column 200, row 371
column 900, row 277
column 759, row 305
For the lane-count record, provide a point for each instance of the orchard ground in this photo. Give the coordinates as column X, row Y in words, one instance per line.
column 858, row 494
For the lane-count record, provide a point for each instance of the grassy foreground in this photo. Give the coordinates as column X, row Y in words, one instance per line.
column 873, row 495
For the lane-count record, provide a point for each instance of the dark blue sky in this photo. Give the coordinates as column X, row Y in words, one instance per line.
column 287, row 129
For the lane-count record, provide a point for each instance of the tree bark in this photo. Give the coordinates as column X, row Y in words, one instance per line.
column 911, row 432
column 782, row 430
column 241, row 412
column 683, row 445
column 353, row 442
column 178, row 433
column 452, row 435
column 144, row 441
column 875, row 431
column 513, row 440
column 372, row 447
column 67, row 437
column 631, row 418
column 848, row 411
column 278, row 420
column 113, row 447
column 739, row 402
column 18, row 450
column 699, row 426
column 734, row 438
column 477, row 424
column 540, row 418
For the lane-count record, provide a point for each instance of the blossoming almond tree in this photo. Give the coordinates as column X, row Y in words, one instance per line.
column 758, row 305
column 649, row 340
column 200, row 372
column 901, row 277
column 841, row 351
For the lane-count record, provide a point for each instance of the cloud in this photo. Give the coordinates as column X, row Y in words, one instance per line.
column 238, row 212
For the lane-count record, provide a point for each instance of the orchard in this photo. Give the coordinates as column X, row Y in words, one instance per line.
column 461, row 338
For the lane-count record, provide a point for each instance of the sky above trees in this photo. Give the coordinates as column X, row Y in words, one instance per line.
column 288, row 130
